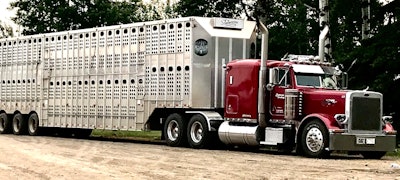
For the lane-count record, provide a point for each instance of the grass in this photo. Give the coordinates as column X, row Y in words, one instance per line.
column 395, row 153
column 150, row 135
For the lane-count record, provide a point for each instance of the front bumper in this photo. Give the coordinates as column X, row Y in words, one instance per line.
column 348, row 142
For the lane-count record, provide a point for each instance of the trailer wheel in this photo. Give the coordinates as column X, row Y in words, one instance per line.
column 197, row 133
column 33, row 125
column 314, row 140
column 373, row 154
column 5, row 124
column 175, row 130
column 19, row 126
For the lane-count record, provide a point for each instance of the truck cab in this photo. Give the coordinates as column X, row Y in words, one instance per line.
column 308, row 107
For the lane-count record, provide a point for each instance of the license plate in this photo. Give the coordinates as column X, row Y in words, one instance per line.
column 365, row 140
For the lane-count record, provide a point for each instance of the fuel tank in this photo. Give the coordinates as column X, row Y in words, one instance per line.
column 238, row 135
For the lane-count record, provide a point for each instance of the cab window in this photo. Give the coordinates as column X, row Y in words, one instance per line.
column 284, row 77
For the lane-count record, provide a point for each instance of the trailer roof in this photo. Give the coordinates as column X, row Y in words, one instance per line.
column 245, row 33
column 248, row 27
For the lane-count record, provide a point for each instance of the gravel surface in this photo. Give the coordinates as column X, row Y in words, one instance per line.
column 27, row 157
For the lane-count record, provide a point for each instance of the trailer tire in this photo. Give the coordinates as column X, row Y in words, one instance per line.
column 19, row 125
column 33, row 125
column 5, row 124
column 175, row 130
column 197, row 132
column 373, row 154
column 314, row 140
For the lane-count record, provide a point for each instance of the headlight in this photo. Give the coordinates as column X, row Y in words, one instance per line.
column 341, row 118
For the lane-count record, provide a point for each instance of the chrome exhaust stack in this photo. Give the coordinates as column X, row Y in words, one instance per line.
column 321, row 45
column 262, row 79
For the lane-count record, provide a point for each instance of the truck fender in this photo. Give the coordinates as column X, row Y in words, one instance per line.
column 214, row 119
column 329, row 122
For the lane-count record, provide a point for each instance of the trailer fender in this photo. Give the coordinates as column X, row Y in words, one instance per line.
column 214, row 119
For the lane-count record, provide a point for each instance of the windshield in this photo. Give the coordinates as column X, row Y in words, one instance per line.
column 316, row 80
column 308, row 80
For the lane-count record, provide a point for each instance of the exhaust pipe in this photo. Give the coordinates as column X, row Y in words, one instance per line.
column 262, row 79
column 321, row 46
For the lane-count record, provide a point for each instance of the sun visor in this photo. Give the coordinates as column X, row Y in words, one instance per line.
column 313, row 69
column 228, row 28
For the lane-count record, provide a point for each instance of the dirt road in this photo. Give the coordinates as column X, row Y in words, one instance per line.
column 26, row 157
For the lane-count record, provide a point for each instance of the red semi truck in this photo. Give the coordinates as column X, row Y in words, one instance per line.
column 180, row 76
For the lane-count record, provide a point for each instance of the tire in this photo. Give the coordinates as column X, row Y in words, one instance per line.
column 197, row 132
column 175, row 130
column 33, row 125
column 373, row 154
column 5, row 124
column 19, row 125
column 315, row 140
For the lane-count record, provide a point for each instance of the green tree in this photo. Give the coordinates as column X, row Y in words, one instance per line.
column 42, row 16
column 155, row 10
column 293, row 28
column 209, row 8
column 5, row 30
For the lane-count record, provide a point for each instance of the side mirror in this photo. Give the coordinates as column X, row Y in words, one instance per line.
column 273, row 76
column 345, row 80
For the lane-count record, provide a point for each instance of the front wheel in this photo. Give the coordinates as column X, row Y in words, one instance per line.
column 373, row 154
column 197, row 133
column 314, row 140
column 175, row 130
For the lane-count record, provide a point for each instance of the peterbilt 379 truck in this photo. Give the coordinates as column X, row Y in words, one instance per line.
column 191, row 78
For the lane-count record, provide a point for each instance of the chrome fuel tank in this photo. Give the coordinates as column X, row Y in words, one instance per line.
column 238, row 135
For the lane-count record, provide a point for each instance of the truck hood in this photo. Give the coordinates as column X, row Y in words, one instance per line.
column 323, row 101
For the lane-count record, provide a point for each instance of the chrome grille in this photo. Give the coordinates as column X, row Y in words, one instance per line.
column 366, row 114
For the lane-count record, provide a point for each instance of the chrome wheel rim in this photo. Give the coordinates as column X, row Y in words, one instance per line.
column 173, row 130
column 196, row 132
column 314, row 140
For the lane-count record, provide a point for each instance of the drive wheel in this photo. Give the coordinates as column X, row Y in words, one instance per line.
column 314, row 140
column 197, row 133
column 33, row 125
column 373, row 154
column 19, row 124
column 5, row 124
column 175, row 130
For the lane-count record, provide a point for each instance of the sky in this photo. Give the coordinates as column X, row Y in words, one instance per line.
column 5, row 13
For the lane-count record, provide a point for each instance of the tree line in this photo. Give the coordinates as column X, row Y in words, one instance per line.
column 293, row 26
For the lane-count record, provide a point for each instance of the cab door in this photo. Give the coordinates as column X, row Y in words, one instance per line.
column 277, row 94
